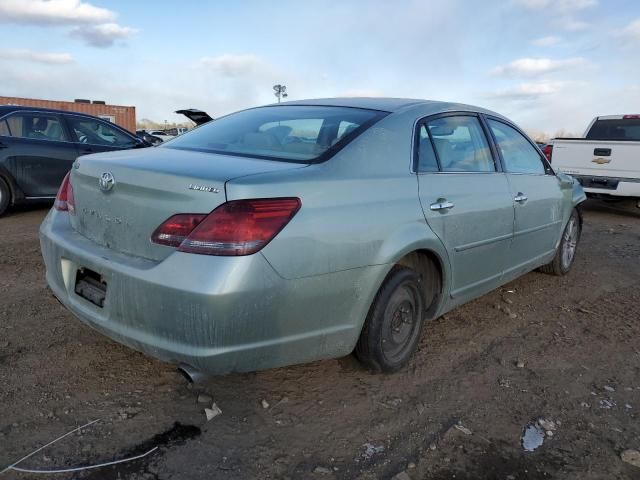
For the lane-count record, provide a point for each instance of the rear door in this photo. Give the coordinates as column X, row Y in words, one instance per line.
column 37, row 151
column 466, row 200
column 536, row 195
column 93, row 135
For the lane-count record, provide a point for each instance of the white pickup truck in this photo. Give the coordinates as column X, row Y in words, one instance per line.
column 606, row 161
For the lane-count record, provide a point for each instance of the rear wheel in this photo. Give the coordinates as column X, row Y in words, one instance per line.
column 392, row 328
column 5, row 196
column 566, row 253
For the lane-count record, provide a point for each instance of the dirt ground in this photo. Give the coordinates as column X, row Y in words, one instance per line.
column 564, row 349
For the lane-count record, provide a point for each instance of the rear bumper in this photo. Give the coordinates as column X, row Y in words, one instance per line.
column 217, row 314
column 615, row 186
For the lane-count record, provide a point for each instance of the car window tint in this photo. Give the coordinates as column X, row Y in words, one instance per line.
column 304, row 130
column 426, row 156
column 615, row 129
column 35, row 126
column 295, row 133
column 518, row 154
column 95, row 132
column 4, row 129
column 461, row 144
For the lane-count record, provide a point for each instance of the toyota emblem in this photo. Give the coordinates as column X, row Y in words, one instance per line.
column 106, row 181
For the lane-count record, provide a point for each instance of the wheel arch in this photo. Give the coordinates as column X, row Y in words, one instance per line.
column 14, row 192
column 431, row 268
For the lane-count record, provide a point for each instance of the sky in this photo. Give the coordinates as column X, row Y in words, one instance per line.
column 549, row 65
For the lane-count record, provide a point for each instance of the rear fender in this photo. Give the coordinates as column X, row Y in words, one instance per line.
column 415, row 237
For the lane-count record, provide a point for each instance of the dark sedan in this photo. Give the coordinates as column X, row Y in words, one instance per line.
column 38, row 147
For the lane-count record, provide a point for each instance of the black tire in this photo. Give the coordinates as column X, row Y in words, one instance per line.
column 567, row 248
column 5, row 197
column 392, row 329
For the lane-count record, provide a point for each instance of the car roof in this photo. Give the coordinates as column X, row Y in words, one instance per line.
column 386, row 104
column 390, row 104
column 15, row 108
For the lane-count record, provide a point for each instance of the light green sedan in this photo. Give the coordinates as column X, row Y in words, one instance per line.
column 305, row 230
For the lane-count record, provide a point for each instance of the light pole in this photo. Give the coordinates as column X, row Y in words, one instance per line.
column 280, row 91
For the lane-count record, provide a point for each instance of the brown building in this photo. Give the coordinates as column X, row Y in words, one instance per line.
column 123, row 116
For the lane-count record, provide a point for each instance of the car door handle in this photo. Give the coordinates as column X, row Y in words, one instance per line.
column 441, row 204
column 520, row 198
column 2, row 145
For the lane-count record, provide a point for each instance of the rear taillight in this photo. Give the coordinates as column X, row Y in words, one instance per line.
column 64, row 199
column 173, row 231
column 548, row 151
column 629, row 117
column 239, row 227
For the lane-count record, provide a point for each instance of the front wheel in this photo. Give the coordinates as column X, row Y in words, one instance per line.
column 392, row 328
column 566, row 253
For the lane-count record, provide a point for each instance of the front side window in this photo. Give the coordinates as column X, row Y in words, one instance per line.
column 95, row 132
column 299, row 133
column 461, row 144
column 518, row 154
column 33, row 126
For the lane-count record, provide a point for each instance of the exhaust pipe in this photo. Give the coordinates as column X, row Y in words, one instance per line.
column 191, row 374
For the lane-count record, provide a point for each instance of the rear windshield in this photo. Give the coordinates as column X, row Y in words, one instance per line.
column 622, row 129
column 293, row 133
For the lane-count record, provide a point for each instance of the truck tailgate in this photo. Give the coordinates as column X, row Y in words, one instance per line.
column 597, row 158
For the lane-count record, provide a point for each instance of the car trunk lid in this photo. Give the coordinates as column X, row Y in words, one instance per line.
column 122, row 197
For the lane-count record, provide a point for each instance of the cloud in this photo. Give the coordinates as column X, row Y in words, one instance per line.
column 53, row 12
column 557, row 5
column 632, row 31
column 528, row 91
column 37, row 57
column 571, row 24
column 103, row 35
column 536, row 66
column 230, row 65
column 548, row 41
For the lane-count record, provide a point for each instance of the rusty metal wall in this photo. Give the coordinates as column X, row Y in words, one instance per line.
column 124, row 116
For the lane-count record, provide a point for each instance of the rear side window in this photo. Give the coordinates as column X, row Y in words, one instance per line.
column 518, row 154
column 294, row 133
column 427, row 161
column 460, row 144
column 4, row 129
column 34, row 126
column 621, row 129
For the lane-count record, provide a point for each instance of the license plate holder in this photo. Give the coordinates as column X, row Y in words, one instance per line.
column 91, row 286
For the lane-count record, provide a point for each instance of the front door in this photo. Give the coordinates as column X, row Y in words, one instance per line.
column 37, row 151
column 537, row 198
column 466, row 201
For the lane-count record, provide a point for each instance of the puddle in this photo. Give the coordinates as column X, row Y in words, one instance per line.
column 176, row 435
column 532, row 437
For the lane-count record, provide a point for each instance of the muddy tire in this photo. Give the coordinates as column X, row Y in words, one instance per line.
column 5, row 197
column 566, row 253
column 392, row 328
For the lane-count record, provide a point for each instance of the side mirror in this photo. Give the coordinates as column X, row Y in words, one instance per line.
column 565, row 180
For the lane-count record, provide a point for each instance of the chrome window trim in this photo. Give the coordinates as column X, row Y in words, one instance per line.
column 74, row 114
